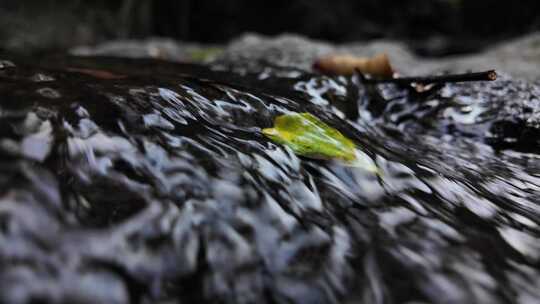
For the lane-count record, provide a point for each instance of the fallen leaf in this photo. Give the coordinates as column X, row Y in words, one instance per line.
column 101, row 74
column 378, row 65
column 306, row 135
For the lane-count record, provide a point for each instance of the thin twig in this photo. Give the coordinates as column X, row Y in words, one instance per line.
column 479, row 76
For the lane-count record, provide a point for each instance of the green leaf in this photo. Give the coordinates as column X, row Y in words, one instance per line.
column 308, row 136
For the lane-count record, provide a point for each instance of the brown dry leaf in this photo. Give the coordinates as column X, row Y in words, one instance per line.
column 378, row 65
column 102, row 74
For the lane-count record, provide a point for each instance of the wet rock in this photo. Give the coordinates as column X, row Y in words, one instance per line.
column 152, row 48
column 517, row 57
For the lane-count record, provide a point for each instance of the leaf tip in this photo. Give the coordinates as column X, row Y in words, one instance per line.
column 269, row 131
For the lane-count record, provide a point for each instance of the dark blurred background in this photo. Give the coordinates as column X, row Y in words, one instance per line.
column 429, row 27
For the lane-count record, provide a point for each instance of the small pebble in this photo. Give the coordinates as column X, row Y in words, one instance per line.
column 39, row 77
column 4, row 64
column 49, row 93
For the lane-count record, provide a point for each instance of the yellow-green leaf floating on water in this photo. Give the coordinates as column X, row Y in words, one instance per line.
column 308, row 136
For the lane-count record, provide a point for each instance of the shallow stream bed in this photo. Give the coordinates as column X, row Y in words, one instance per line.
column 142, row 181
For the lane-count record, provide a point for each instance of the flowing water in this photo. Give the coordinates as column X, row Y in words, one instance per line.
column 134, row 181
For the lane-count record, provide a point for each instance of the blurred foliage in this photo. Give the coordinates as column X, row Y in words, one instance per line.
column 205, row 54
column 432, row 27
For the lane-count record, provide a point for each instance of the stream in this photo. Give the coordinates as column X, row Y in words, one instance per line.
column 144, row 181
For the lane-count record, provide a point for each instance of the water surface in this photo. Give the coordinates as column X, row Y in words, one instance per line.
column 134, row 181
